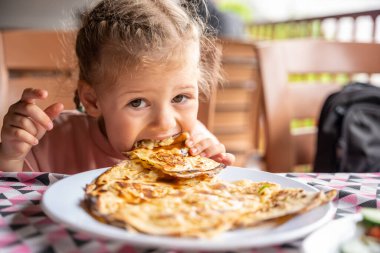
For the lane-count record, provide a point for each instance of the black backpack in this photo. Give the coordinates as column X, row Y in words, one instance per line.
column 349, row 131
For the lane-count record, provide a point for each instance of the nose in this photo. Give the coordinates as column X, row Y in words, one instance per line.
column 164, row 119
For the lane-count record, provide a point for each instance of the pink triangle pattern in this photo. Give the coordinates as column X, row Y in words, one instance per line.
column 5, row 202
column 23, row 248
column 5, row 189
column 18, row 211
column 28, row 176
column 127, row 249
column 82, row 236
column 13, row 208
column 44, row 221
column 11, row 183
column 3, row 223
column 21, row 220
column 57, row 234
column 32, row 210
column 7, row 239
column 350, row 199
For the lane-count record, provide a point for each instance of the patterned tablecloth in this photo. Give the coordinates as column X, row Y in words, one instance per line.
column 24, row 227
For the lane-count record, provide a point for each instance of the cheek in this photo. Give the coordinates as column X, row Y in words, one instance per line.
column 190, row 119
column 122, row 132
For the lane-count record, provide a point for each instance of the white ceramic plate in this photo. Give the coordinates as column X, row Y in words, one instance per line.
column 62, row 200
column 330, row 237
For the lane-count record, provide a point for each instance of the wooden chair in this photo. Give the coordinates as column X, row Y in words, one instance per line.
column 285, row 67
column 237, row 100
column 37, row 59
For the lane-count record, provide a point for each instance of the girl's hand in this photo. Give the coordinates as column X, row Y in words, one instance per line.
column 203, row 142
column 23, row 126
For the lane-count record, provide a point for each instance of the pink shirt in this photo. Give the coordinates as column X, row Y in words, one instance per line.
column 75, row 144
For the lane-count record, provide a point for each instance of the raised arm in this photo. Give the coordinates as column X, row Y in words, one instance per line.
column 23, row 126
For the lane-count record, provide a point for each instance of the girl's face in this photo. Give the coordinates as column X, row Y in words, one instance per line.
column 150, row 104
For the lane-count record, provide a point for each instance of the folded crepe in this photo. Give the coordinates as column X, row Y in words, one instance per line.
column 194, row 213
column 171, row 157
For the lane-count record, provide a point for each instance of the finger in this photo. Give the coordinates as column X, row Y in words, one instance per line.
column 51, row 112
column 35, row 113
column 12, row 134
column 22, row 122
column 229, row 159
column 54, row 110
column 194, row 139
column 30, row 95
column 207, row 148
column 213, row 150
column 200, row 145
column 225, row 158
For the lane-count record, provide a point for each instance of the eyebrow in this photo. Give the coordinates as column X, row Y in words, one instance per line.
column 180, row 87
column 186, row 86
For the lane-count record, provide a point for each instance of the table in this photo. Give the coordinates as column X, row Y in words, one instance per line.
column 25, row 228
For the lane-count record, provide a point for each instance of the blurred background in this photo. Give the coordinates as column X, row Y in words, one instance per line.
column 238, row 114
column 236, row 18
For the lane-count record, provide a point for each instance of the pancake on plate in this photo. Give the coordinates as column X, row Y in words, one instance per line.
column 284, row 204
column 171, row 157
column 162, row 190
column 211, row 208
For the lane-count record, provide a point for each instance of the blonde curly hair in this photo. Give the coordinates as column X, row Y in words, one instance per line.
column 135, row 33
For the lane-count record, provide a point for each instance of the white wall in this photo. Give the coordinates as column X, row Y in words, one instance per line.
column 59, row 14
column 277, row 10
column 46, row 14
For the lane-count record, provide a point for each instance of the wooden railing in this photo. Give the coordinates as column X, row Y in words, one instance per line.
column 315, row 27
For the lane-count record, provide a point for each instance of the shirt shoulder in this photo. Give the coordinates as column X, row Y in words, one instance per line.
column 72, row 119
column 75, row 144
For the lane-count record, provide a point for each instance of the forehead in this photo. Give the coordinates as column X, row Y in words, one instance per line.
column 155, row 76
column 183, row 61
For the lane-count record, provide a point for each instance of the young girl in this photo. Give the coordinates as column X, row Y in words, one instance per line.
column 142, row 67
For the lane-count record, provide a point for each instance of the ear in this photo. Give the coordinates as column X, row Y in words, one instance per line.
column 89, row 99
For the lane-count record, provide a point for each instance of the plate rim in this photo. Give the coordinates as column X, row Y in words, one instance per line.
column 139, row 239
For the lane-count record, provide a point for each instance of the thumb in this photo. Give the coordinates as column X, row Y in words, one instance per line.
column 54, row 110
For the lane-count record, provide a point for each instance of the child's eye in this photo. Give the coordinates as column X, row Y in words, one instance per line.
column 137, row 103
column 179, row 99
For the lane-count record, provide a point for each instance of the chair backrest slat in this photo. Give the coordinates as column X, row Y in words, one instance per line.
column 38, row 50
